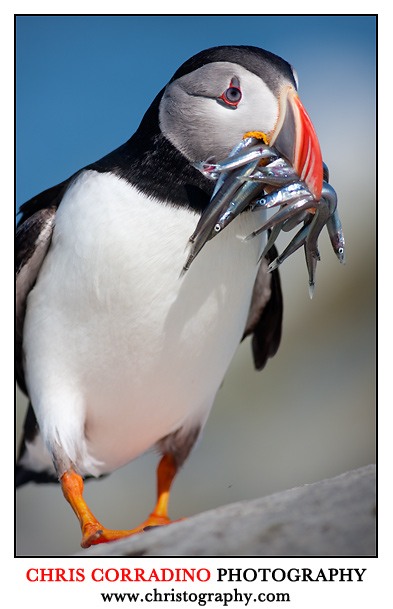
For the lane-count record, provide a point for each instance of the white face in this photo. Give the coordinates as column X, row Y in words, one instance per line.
column 200, row 124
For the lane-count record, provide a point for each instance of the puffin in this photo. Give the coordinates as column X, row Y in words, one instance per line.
column 117, row 349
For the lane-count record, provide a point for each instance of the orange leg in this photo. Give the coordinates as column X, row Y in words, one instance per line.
column 92, row 530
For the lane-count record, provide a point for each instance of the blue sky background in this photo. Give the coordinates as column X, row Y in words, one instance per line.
column 83, row 85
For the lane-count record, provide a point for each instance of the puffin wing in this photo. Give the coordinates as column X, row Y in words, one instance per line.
column 33, row 238
column 265, row 315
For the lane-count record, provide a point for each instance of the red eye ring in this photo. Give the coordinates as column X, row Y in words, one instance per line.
column 231, row 96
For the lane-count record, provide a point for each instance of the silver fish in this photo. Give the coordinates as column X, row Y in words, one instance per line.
column 287, row 211
column 286, row 194
column 274, row 232
column 205, row 227
column 211, row 221
column 333, row 223
column 240, row 178
column 245, row 143
column 244, row 196
column 255, row 153
column 276, row 173
column 291, row 223
column 315, row 215
column 298, row 240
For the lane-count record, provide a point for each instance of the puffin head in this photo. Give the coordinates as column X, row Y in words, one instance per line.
column 223, row 93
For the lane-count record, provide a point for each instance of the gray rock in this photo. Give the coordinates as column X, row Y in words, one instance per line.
column 334, row 517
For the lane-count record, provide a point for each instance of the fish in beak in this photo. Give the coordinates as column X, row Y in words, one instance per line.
column 289, row 154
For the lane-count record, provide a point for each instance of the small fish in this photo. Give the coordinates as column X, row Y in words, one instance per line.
column 258, row 152
column 244, row 196
column 298, row 240
column 240, row 178
column 272, row 236
column 325, row 209
column 211, row 221
column 245, row 143
column 286, row 194
column 336, row 235
column 205, row 227
column 311, row 262
column 276, row 173
column 333, row 223
column 292, row 223
column 321, row 216
column 286, row 212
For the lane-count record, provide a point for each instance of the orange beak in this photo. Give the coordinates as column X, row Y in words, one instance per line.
column 295, row 139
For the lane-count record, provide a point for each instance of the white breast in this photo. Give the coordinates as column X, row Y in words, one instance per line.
column 120, row 350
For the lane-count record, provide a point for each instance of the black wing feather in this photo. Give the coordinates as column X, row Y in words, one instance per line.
column 266, row 311
column 51, row 197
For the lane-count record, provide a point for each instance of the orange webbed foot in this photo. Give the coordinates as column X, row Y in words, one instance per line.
column 93, row 532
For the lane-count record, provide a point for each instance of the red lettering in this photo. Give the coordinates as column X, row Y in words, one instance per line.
column 154, row 576
column 55, row 575
column 93, row 575
column 31, row 575
column 125, row 575
column 140, row 575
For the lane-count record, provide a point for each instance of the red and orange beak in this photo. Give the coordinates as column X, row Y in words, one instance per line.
column 295, row 139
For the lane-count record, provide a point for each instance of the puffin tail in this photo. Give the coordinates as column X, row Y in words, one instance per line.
column 23, row 476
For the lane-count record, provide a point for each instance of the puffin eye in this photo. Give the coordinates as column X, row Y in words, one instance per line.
column 233, row 94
